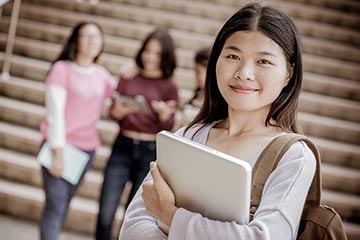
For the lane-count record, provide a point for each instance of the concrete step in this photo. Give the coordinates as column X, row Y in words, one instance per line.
column 23, row 139
column 146, row 20
column 331, row 67
column 330, row 106
column 346, row 205
column 331, row 86
column 340, row 179
column 48, row 51
column 330, row 128
column 338, row 153
column 31, row 115
column 23, row 168
column 26, row 201
column 115, row 45
column 185, row 77
column 57, row 34
column 222, row 11
column 34, row 69
column 19, row 228
column 347, row 6
column 33, row 92
column 22, row 89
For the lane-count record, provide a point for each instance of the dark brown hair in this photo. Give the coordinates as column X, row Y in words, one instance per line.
column 70, row 48
column 281, row 29
column 168, row 58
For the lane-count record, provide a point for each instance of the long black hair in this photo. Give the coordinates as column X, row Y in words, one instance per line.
column 280, row 28
column 70, row 48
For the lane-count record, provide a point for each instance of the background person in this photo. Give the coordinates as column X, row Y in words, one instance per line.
column 134, row 147
column 76, row 88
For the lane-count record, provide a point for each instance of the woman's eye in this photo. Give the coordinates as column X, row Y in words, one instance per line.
column 231, row 56
column 263, row 61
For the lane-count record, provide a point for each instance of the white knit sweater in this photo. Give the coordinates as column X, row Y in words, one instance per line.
column 277, row 217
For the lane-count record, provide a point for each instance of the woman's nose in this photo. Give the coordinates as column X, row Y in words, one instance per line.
column 245, row 71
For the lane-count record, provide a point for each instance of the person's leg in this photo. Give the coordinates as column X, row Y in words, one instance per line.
column 58, row 194
column 115, row 177
column 144, row 153
column 72, row 189
column 56, row 202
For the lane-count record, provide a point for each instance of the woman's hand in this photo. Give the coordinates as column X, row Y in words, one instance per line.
column 121, row 109
column 129, row 70
column 158, row 198
column 164, row 109
column 57, row 164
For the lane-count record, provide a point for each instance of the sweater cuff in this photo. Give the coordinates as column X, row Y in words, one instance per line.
column 179, row 224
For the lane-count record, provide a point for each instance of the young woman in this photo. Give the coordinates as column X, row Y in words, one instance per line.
column 252, row 89
column 76, row 88
column 134, row 147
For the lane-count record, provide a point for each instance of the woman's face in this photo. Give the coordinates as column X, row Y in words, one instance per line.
column 151, row 56
column 90, row 41
column 251, row 71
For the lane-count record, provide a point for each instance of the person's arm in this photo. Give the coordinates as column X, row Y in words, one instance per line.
column 119, row 109
column 55, row 99
column 137, row 223
column 278, row 215
column 166, row 109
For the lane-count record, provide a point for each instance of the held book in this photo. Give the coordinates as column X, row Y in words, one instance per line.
column 74, row 160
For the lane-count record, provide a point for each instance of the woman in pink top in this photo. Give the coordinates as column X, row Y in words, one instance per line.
column 75, row 91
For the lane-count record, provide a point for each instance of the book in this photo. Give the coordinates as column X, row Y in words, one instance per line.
column 75, row 161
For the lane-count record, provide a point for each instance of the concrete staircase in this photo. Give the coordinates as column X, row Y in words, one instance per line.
column 330, row 109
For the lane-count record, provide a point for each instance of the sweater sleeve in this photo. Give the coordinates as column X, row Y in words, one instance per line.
column 138, row 224
column 55, row 99
column 278, row 215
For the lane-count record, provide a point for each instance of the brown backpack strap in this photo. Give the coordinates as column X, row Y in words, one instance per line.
column 270, row 158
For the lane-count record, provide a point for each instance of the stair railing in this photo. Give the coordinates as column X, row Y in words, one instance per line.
column 11, row 37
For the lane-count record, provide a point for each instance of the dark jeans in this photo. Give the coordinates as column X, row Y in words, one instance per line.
column 129, row 160
column 58, row 194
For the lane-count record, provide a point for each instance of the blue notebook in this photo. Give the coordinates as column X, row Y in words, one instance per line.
column 74, row 159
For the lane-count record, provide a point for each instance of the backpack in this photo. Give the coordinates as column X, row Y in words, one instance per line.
column 318, row 221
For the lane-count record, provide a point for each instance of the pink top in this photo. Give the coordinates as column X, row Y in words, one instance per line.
column 86, row 89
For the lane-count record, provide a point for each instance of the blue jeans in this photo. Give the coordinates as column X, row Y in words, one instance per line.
column 129, row 160
column 58, row 194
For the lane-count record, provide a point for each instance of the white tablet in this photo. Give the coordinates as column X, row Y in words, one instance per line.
column 137, row 100
column 204, row 180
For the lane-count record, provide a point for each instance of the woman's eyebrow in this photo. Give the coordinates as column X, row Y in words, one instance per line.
column 231, row 47
column 236, row 49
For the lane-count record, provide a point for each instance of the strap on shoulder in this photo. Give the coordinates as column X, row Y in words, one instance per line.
column 270, row 158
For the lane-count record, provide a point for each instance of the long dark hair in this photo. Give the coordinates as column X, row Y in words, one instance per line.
column 168, row 58
column 281, row 29
column 70, row 48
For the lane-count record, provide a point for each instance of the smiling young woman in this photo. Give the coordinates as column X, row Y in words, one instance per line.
column 252, row 89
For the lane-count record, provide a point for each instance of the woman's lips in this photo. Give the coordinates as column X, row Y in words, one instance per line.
column 243, row 89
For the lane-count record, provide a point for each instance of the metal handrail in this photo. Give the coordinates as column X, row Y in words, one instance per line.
column 11, row 38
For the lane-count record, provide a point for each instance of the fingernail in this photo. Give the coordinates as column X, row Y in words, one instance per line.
column 152, row 165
